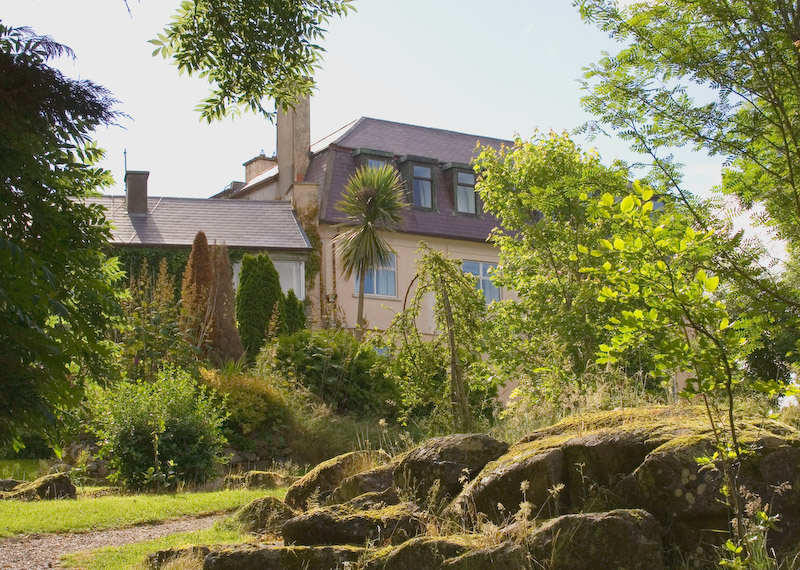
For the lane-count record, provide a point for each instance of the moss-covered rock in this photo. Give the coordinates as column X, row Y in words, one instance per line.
column 321, row 481
column 371, row 481
column 612, row 540
column 497, row 491
column 54, row 486
column 258, row 480
column 421, row 553
column 340, row 524
column 264, row 515
column 159, row 559
column 504, row 556
column 447, row 463
column 282, row 558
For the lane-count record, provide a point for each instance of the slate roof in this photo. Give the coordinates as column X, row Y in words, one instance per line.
column 333, row 164
column 250, row 224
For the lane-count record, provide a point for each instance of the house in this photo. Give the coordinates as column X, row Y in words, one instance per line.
column 444, row 209
column 140, row 220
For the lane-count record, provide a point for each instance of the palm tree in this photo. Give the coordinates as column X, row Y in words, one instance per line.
column 373, row 202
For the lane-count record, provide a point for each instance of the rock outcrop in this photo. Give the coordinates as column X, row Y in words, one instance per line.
column 55, row 486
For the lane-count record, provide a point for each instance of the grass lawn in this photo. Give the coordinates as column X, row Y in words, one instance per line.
column 132, row 556
column 95, row 513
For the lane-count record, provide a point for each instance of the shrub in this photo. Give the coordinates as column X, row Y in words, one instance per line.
column 344, row 373
column 258, row 296
column 198, row 279
column 159, row 434
column 294, row 319
column 225, row 341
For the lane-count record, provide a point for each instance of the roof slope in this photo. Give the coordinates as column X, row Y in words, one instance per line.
column 252, row 224
column 402, row 139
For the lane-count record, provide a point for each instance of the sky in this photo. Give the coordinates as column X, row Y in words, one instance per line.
column 495, row 69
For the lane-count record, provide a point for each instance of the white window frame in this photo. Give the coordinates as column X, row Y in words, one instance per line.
column 389, row 272
column 469, row 189
column 483, row 281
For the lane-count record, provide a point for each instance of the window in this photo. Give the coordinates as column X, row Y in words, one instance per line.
column 380, row 280
column 421, row 187
column 481, row 270
column 465, row 193
column 375, row 163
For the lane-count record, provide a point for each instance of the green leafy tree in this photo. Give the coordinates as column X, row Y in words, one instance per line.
column 258, row 302
column 249, row 50
column 58, row 298
column 534, row 189
column 373, row 203
column 446, row 368
column 721, row 77
column 294, row 313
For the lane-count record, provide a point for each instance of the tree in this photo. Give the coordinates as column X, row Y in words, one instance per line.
column 295, row 313
column 249, row 50
column 226, row 343
column 373, row 202
column 258, row 302
column 197, row 310
column 720, row 76
column 58, row 298
column 534, row 189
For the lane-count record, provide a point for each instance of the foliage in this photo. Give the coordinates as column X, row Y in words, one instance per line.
column 258, row 413
column 372, row 202
column 196, row 308
column 57, row 294
column 338, row 369
column 226, row 344
column 249, row 50
column 131, row 260
column 731, row 91
column 534, row 189
column 294, row 313
column 152, row 336
column 447, row 370
column 257, row 300
column 159, row 434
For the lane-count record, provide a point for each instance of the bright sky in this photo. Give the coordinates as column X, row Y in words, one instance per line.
column 486, row 68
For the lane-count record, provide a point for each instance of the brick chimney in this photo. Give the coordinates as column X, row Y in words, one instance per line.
column 294, row 142
column 136, row 191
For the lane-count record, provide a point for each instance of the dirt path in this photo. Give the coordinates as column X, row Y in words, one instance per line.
column 42, row 551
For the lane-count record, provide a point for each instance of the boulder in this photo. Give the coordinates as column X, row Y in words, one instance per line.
column 283, row 558
column 264, row 515
column 258, row 480
column 54, row 486
column 372, row 481
column 422, row 553
column 321, row 481
column 525, row 473
column 8, row 484
column 629, row 539
column 158, row 560
column 445, row 464
column 504, row 556
column 340, row 524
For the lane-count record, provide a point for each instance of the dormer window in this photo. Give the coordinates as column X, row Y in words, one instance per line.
column 422, row 187
column 371, row 158
column 375, row 163
column 465, row 193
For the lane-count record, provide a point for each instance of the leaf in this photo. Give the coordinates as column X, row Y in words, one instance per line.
column 583, row 249
column 619, row 244
column 647, row 193
column 626, row 205
column 724, row 324
column 712, row 283
column 607, row 199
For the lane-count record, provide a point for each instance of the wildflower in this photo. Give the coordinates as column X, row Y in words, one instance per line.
column 524, row 486
column 525, row 510
column 382, row 423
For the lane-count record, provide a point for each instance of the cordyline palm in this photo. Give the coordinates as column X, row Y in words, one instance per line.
column 373, row 202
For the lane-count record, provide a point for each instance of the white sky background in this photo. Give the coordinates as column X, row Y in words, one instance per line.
column 487, row 68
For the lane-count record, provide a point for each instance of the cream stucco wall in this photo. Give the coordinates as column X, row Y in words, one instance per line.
column 380, row 310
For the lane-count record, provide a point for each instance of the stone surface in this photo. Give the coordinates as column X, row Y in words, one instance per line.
column 264, row 515
column 54, row 486
column 282, row 558
column 504, row 556
column 629, row 539
column 451, row 461
column 341, row 524
column 423, row 553
column 321, row 481
column 371, row 481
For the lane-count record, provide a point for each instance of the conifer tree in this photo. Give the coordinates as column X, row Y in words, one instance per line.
column 225, row 340
column 259, row 293
column 197, row 310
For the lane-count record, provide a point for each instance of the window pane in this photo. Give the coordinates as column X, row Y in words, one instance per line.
column 385, row 283
column 472, row 267
column 466, row 178
column 369, row 283
column 422, row 172
column 375, row 163
column 422, row 193
column 490, row 292
column 487, row 268
column 465, row 199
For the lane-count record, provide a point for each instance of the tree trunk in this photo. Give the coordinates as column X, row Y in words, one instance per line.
column 360, row 324
column 458, row 392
